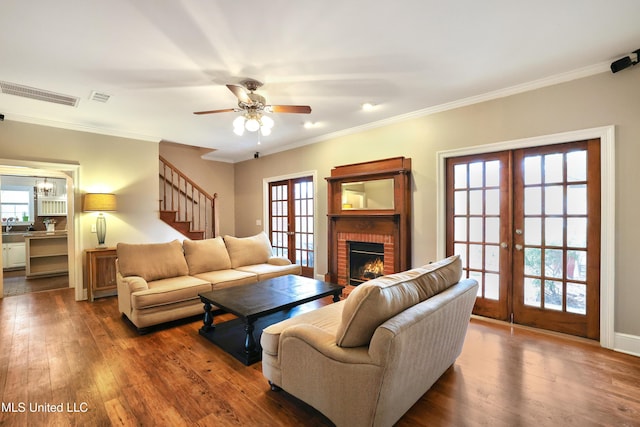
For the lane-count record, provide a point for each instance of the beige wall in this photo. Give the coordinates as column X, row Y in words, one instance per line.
column 128, row 168
column 213, row 177
column 600, row 100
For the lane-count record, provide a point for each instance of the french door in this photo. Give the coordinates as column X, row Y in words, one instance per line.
column 291, row 221
column 527, row 225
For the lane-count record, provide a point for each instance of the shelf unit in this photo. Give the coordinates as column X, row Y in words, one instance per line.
column 46, row 255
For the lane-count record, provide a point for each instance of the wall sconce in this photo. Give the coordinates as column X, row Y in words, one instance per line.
column 100, row 202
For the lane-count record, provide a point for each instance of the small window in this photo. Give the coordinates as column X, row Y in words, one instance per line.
column 16, row 204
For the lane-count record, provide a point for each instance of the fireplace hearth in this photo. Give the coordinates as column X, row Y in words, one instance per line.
column 366, row 261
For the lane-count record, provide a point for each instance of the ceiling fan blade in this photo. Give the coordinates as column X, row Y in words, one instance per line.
column 241, row 93
column 300, row 109
column 226, row 110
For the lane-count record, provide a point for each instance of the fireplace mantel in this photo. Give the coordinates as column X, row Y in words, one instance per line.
column 388, row 224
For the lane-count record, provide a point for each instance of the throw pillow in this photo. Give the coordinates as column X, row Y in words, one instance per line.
column 206, row 255
column 248, row 250
column 152, row 261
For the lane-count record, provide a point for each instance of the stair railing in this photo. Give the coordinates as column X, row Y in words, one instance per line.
column 190, row 202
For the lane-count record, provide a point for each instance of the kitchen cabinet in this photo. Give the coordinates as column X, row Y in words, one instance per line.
column 13, row 255
column 100, row 272
column 46, row 255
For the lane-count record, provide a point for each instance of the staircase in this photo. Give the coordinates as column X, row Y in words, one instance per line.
column 184, row 205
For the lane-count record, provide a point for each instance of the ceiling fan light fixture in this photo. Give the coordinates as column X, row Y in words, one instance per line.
column 252, row 124
column 253, row 106
column 238, row 125
column 238, row 122
column 267, row 122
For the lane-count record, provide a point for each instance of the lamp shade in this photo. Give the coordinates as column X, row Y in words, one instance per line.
column 99, row 202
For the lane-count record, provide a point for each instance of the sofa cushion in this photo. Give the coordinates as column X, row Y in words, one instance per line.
column 152, row 261
column 169, row 291
column 268, row 271
column 206, row 255
column 225, row 278
column 248, row 250
column 372, row 303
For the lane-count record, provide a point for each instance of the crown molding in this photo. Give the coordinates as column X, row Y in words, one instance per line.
column 80, row 127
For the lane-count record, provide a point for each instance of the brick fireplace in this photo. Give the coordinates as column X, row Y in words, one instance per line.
column 347, row 239
column 384, row 224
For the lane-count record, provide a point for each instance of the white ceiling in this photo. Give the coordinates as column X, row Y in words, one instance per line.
column 162, row 60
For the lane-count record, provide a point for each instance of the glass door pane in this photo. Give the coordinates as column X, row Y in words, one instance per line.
column 478, row 226
column 303, row 201
column 556, row 201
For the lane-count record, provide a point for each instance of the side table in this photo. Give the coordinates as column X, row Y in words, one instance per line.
column 100, row 274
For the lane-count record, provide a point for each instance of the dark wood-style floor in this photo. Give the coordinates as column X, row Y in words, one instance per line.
column 16, row 283
column 83, row 358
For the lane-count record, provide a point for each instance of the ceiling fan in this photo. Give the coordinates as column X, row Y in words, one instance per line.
column 249, row 101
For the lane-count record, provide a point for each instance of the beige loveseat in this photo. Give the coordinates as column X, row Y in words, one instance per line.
column 160, row 282
column 366, row 360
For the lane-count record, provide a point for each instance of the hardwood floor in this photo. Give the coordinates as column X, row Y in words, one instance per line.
column 16, row 283
column 85, row 358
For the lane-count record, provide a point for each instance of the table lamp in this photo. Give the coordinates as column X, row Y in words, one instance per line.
column 100, row 202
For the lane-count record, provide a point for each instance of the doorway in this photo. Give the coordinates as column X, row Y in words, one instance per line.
column 68, row 173
column 291, row 220
column 526, row 223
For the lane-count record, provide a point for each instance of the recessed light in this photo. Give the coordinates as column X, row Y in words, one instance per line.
column 310, row 125
column 368, row 106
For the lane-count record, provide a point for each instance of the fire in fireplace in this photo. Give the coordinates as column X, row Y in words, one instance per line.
column 366, row 261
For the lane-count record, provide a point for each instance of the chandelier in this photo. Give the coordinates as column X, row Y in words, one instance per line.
column 253, row 121
column 45, row 188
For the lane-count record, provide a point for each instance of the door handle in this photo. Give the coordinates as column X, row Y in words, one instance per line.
column 519, row 247
column 504, row 245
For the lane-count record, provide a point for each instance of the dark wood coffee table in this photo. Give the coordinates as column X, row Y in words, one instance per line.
column 257, row 306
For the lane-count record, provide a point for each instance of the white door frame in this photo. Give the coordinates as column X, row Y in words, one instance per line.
column 608, row 206
column 55, row 170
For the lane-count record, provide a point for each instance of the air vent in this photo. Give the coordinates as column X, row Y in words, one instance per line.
column 38, row 94
column 99, row 97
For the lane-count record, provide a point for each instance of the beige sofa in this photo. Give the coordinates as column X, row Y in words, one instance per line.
column 160, row 282
column 366, row 360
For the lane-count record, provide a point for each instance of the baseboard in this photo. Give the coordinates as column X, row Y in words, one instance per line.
column 626, row 343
